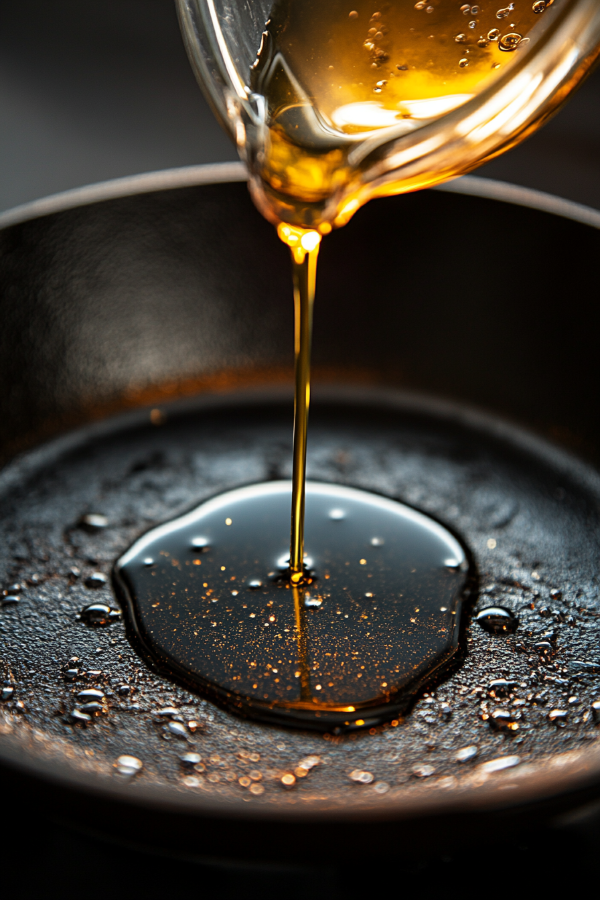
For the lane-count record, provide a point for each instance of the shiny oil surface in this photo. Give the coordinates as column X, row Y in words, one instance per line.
column 378, row 611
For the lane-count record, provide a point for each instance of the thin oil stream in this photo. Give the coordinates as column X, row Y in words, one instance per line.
column 328, row 75
column 304, row 246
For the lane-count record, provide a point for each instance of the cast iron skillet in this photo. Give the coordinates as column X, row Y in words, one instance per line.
column 481, row 294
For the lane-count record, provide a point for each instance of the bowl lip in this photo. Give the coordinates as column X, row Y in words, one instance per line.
column 231, row 172
column 569, row 778
column 562, row 781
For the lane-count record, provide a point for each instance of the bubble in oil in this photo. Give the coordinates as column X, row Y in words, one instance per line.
column 510, row 41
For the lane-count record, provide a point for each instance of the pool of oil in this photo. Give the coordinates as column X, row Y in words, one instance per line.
column 378, row 611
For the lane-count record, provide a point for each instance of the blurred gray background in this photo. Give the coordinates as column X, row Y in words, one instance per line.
column 97, row 89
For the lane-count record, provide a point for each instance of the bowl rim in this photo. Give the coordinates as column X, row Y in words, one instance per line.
column 230, row 172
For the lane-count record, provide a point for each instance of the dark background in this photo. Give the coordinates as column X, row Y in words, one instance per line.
column 98, row 89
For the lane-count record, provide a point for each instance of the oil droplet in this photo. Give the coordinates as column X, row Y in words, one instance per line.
column 463, row 63
column 92, row 708
column 596, row 712
column 91, row 694
column 497, row 620
column 189, row 760
column 167, row 712
column 7, row 693
column 97, row 615
column 504, row 720
column 94, row 522
column 127, row 766
column 494, row 34
column 96, row 580
column 377, row 542
column 255, row 584
column 177, row 729
column 423, row 771
column 381, row 787
column 540, row 5
column 558, row 717
column 336, row 515
column 353, row 14
column 149, row 561
column 10, row 600
column 288, row 780
column 503, row 13
column 362, row 777
column 309, row 762
column 501, row 687
column 497, row 765
column 312, row 602
column 466, row 753
column 200, row 544
column 460, row 38
column 77, row 717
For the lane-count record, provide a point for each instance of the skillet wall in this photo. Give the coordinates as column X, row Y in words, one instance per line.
column 470, row 299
